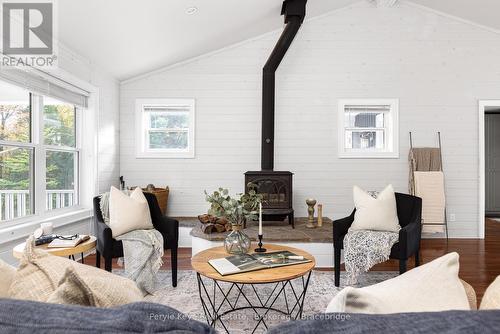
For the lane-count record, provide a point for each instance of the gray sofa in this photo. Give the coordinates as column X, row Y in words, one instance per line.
column 18, row 316
column 466, row 322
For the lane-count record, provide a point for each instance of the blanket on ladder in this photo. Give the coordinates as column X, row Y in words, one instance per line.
column 142, row 252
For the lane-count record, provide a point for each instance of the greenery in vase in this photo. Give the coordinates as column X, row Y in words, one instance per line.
column 236, row 210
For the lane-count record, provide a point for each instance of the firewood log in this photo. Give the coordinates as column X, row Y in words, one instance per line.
column 220, row 228
column 207, row 219
column 208, row 228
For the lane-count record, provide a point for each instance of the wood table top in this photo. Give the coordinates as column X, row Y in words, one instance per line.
column 90, row 244
column 200, row 264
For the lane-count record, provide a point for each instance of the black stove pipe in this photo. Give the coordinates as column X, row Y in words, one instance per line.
column 294, row 11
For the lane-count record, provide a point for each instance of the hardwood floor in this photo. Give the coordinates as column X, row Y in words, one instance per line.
column 479, row 259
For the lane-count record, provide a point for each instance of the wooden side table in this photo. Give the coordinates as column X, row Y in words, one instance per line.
column 86, row 246
column 215, row 298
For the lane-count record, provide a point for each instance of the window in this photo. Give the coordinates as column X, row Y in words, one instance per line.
column 39, row 154
column 165, row 128
column 368, row 128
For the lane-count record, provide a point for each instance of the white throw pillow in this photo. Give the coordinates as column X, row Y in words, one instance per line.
column 377, row 214
column 7, row 273
column 128, row 213
column 431, row 287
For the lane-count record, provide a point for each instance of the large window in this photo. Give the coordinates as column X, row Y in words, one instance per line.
column 368, row 128
column 39, row 153
column 165, row 128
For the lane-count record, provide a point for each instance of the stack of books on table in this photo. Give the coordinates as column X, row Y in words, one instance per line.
column 250, row 262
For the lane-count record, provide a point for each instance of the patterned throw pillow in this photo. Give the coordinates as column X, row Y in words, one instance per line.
column 89, row 286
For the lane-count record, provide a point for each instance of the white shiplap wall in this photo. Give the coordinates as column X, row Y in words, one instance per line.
column 437, row 66
column 108, row 118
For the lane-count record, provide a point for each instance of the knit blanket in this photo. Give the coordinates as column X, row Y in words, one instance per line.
column 363, row 249
column 142, row 252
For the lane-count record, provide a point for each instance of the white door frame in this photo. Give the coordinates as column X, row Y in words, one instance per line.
column 482, row 155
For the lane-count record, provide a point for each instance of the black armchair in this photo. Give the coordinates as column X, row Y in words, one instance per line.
column 410, row 216
column 110, row 248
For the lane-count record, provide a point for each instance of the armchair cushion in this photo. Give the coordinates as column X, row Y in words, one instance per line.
column 434, row 286
column 128, row 213
column 377, row 214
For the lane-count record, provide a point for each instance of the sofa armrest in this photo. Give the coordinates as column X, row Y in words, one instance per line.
column 340, row 228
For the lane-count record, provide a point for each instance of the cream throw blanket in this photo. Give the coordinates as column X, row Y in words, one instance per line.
column 423, row 159
column 430, row 187
column 142, row 252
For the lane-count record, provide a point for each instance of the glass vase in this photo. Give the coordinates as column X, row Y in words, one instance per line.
column 237, row 242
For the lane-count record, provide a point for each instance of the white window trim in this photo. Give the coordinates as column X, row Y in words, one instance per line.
column 392, row 147
column 88, row 178
column 141, row 139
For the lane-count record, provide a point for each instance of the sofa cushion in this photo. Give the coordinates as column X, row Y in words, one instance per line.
column 38, row 274
column 89, row 286
column 491, row 298
column 434, row 286
column 6, row 278
column 128, row 213
column 378, row 214
column 26, row 317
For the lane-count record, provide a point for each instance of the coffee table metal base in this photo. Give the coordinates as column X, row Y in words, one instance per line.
column 216, row 303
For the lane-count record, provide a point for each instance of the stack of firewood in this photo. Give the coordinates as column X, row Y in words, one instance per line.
column 211, row 224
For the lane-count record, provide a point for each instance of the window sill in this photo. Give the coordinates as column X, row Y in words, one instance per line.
column 379, row 155
column 28, row 225
column 165, row 155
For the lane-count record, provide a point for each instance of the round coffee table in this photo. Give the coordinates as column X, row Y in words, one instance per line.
column 70, row 252
column 288, row 282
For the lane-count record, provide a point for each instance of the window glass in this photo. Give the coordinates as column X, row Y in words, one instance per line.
column 169, row 120
column 60, row 179
column 15, row 115
column 168, row 140
column 58, row 123
column 16, row 196
column 364, row 139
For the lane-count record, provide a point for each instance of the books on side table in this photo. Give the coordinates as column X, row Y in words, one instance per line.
column 236, row 264
column 68, row 243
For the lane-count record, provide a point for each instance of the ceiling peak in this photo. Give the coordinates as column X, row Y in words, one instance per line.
column 384, row 3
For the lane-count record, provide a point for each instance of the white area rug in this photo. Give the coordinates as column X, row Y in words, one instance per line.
column 185, row 297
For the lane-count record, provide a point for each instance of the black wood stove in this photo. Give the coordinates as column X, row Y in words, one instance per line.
column 276, row 186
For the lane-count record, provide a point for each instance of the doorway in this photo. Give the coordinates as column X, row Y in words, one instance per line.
column 489, row 163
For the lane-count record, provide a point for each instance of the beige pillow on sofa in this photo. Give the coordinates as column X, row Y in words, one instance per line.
column 431, row 287
column 89, row 286
column 38, row 274
column 128, row 213
column 377, row 214
column 7, row 273
column 491, row 298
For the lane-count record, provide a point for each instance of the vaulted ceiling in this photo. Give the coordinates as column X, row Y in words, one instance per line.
column 131, row 37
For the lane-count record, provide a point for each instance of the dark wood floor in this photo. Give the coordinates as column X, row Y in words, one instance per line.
column 479, row 259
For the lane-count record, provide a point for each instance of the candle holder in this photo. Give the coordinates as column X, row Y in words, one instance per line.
column 260, row 249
